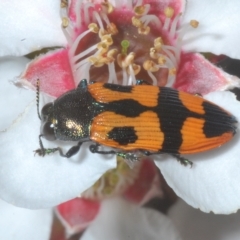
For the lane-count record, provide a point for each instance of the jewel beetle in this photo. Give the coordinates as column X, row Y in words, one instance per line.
column 142, row 118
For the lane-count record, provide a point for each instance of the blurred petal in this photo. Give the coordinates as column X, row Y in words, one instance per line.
column 213, row 182
column 218, row 31
column 27, row 26
column 121, row 220
column 36, row 182
column 194, row 224
column 24, row 224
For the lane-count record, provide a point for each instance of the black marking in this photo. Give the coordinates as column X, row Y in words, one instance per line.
column 118, row 88
column 123, row 135
column 172, row 114
column 126, row 107
column 217, row 121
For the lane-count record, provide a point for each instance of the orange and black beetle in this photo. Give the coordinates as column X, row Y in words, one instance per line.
column 141, row 118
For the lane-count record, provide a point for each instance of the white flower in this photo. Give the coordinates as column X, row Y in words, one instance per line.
column 43, row 182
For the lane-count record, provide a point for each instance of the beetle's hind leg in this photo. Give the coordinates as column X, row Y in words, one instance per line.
column 182, row 160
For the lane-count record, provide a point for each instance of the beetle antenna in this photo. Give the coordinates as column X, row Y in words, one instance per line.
column 37, row 98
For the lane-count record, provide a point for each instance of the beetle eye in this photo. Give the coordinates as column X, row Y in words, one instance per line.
column 48, row 131
column 46, row 111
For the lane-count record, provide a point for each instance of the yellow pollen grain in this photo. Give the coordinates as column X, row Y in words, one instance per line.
column 151, row 66
column 102, row 32
column 112, row 29
column 172, row 71
column 93, row 27
column 96, row 61
column 64, row 3
column 144, row 30
column 158, row 42
column 107, row 39
column 153, row 53
column 111, row 53
column 139, row 10
column 103, row 47
column 124, row 60
column 108, row 7
column 136, row 69
column 194, row 23
column 168, row 11
column 136, row 22
column 65, row 22
column 161, row 60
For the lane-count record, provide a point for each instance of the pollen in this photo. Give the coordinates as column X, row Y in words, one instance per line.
column 168, row 11
column 194, row 23
column 119, row 43
column 65, row 22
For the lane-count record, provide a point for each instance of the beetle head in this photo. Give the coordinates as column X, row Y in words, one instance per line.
column 48, row 122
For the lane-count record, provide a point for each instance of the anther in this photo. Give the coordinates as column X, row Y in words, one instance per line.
column 107, row 7
column 168, row 11
column 144, row 30
column 151, row 66
column 194, row 23
column 112, row 29
column 141, row 10
column 93, row 27
column 65, row 22
column 136, row 22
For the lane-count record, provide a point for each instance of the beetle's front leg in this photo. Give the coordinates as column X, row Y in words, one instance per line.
column 46, row 151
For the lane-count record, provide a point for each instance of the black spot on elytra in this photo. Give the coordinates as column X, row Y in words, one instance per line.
column 123, row 135
column 118, row 88
column 126, row 107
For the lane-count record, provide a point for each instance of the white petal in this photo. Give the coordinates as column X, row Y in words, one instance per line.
column 218, row 31
column 121, row 220
column 12, row 104
column 27, row 26
column 194, row 224
column 213, row 182
column 36, row 182
column 24, row 224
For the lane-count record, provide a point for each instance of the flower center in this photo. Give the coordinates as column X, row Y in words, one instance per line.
column 121, row 44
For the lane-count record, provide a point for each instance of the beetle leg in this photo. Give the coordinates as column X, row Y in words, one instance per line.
column 182, row 160
column 94, row 149
column 72, row 151
column 42, row 151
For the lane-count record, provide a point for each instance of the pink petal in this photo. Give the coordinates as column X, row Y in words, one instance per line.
column 54, row 72
column 77, row 214
column 146, row 185
column 197, row 75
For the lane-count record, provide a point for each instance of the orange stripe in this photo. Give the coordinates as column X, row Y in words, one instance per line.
column 146, row 126
column 145, row 96
column 192, row 103
column 194, row 139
